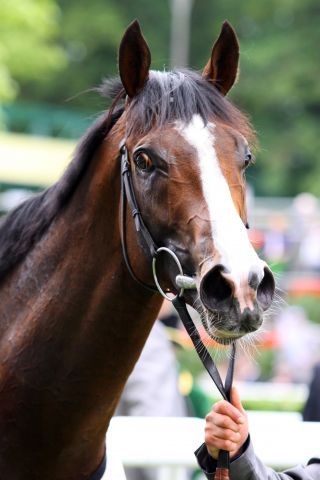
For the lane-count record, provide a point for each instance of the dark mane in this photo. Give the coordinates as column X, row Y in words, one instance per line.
column 27, row 223
column 178, row 95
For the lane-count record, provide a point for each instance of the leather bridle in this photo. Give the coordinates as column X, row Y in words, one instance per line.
column 182, row 282
column 128, row 195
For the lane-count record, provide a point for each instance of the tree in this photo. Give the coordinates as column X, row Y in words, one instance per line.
column 29, row 51
column 278, row 85
column 90, row 34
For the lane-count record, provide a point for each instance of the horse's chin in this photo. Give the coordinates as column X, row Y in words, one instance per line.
column 230, row 324
column 224, row 338
column 213, row 323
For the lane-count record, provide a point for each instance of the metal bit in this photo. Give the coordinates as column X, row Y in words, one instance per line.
column 185, row 282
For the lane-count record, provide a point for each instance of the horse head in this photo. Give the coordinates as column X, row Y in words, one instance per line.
column 188, row 149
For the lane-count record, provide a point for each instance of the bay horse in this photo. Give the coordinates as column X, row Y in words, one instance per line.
column 73, row 321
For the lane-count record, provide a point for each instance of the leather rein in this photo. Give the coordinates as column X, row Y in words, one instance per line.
column 182, row 282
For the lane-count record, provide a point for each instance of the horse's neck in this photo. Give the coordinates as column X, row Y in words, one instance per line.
column 79, row 323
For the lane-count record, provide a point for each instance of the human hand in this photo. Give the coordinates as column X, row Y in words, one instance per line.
column 226, row 426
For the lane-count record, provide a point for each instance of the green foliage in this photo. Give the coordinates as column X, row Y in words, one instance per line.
column 288, row 405
column 188, row 360
column 267, row 360
column 200, row 403
column 264, row 404
column 310, row 304
column 278, row 85
column 28, row 48
column 90, row 35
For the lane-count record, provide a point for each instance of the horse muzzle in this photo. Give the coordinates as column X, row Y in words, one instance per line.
column 235, row 306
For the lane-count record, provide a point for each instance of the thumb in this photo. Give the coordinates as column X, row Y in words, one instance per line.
column 236, row 400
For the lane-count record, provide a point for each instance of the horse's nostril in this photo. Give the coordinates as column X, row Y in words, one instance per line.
column 253, row 281
column 266, row 288
column 215, row 289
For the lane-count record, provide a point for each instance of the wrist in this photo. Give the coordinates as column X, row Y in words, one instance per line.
column 237, row 453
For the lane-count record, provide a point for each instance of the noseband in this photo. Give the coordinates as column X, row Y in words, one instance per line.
column 183, row 282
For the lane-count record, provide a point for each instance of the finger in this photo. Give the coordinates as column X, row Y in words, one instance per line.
column 219, row 443
column 223, row 421
column 225, row 408
column 236, row 400
column 224, row 434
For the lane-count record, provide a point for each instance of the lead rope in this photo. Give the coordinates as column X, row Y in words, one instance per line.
column 222, row 471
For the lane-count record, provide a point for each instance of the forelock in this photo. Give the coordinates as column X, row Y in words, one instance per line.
column 168, row 97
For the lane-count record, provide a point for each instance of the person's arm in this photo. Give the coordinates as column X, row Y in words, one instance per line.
column 227, row 428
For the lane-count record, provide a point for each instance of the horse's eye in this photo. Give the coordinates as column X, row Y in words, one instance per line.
column 248, row 159
column 142, row 161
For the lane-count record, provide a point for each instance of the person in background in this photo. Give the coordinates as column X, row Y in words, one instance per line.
column 311, row 412
column 152, row 388
column 227, row 428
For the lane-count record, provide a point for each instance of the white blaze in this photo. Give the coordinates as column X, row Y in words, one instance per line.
column 229, row 234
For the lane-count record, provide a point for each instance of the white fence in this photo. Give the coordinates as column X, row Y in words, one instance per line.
column 280, row 440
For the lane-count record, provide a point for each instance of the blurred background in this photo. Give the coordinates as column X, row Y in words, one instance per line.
column 54, row 53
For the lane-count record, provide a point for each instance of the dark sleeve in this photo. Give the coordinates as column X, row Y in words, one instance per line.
column 311, row 412
column 248, row 466
column 208, row 464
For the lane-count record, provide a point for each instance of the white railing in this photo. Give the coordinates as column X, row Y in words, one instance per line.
column 280, row 440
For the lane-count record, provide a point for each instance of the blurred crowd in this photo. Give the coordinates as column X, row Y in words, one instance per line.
column 290, row 243
column 289, row 239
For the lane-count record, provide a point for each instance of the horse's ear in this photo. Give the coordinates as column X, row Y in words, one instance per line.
column 222, row 67
column 134, row 60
